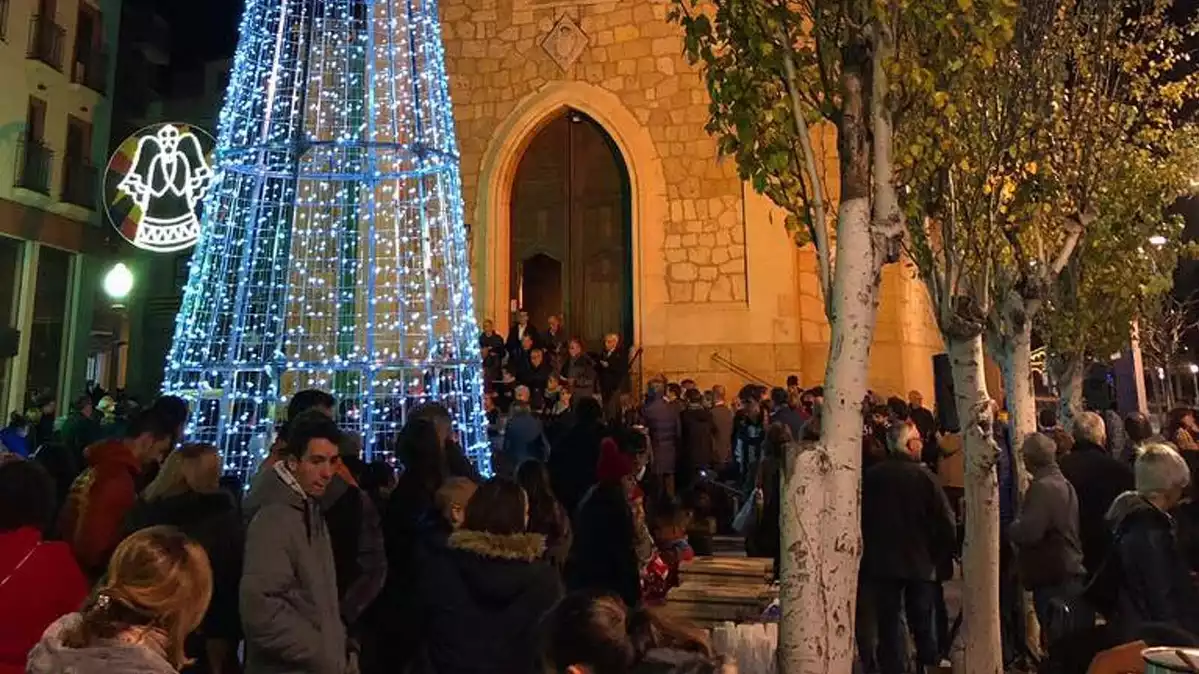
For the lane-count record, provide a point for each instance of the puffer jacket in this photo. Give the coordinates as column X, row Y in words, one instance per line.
column 482, row 597
column 109, row 656
column 288, row 597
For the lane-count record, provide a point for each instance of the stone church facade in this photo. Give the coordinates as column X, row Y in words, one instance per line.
column 718, row 288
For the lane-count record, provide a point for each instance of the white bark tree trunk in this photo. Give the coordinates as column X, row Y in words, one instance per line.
column 1069, row 389
column 1015, row 357
column 980, row 558
column 821, row 529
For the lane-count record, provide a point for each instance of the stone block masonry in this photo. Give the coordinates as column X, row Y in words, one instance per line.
column 500, row 51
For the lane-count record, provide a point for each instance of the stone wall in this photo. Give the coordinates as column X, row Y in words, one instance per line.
column 499, row 51
column 716, row 276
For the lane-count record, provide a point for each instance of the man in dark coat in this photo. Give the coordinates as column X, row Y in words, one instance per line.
column 722, row 429
column 663, row 423
column 610, row 367
column 518, row 333
column 491, row 346
column 1098, row 478
column 783, row 413
column 575, row 455
column 696, row 439
column 920, row 415
column 907, row 531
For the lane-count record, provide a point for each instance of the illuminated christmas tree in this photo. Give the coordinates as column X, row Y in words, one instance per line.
column 332, row 252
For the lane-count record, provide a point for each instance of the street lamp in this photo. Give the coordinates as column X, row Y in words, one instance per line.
column 1195, row 379
column 118, row 282
column 1157, row 240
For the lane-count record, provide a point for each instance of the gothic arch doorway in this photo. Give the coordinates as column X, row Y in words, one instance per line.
column 571, row 231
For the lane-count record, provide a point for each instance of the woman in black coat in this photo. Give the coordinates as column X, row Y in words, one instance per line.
column 483, row 595
column 186, row 494
column 603, row 555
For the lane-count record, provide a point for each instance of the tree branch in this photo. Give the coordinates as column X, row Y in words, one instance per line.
column 823, row 255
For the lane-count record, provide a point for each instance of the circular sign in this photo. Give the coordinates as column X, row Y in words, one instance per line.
column 155, row 183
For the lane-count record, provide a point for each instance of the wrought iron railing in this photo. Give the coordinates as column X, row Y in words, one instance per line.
column 91, row 70
column 45, row 41
column 34, row 162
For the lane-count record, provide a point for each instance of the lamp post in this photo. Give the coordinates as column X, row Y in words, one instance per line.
column 1195, row 379
column 118, row 282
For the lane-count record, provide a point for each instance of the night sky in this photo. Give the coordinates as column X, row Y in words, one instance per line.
column 200, row 31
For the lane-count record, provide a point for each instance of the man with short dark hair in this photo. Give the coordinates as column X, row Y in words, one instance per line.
column 289, row 599
column 91, row 521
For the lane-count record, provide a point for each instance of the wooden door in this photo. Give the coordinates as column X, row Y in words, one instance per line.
column 570, row 203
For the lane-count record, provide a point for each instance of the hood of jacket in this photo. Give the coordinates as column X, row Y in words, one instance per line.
column 497, row 569
column 1130, row 508
column 269, row 488
column 52, row 656
column 112, row 452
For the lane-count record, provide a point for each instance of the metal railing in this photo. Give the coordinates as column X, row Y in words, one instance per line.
column 45, row 41
column 34, row 162
column 738, row 370
column 79, row 180
column 91, row 70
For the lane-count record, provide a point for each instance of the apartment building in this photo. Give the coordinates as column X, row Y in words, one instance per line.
column 56, row 110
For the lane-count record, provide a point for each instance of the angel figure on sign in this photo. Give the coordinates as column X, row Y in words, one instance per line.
column 169, row 177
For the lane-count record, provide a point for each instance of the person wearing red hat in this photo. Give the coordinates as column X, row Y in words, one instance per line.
column 604, row 554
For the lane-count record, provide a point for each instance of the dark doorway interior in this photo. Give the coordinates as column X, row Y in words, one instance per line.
column 571, row 231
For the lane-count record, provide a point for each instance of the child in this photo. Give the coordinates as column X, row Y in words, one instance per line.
column 451, row 499
column 701, row 526
column 670, row 534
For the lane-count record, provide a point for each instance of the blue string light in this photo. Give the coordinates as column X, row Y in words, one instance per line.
column 333, row 252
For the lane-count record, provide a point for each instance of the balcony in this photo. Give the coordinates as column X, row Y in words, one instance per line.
column 91, row 70
column 34, row 161
column 79, row 182
column 45, row 41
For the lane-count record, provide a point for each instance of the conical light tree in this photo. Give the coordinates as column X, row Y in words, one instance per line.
column 333, row 253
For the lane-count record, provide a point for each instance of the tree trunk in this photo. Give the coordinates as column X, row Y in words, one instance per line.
column 1069, row 389
column 1015, row 357
column 980, row 558
column 821, row 529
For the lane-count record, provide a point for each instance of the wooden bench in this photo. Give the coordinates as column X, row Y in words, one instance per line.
column 713, row 590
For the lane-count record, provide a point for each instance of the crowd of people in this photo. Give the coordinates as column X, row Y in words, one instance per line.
column 152, row 561
column 119, row 547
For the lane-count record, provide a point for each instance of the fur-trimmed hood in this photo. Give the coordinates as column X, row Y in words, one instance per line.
column 513, row 547
column 496, row 570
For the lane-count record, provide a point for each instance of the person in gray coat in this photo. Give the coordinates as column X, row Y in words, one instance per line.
column 289, row 603
column 1049, row 550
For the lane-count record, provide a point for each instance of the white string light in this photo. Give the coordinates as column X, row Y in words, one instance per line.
column 333, row 251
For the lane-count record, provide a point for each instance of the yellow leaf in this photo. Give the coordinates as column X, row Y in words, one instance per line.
column 1031, row 167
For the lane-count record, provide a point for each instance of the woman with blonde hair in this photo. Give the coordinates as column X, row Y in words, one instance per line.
column 137, row 620
column 186, row 494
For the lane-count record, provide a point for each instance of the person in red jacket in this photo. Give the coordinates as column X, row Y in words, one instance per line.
column 39, row 580
column 91, row 521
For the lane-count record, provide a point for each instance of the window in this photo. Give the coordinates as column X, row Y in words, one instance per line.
column 80, row 177
column 33, row 157
column 90, row 65
column 4, row 29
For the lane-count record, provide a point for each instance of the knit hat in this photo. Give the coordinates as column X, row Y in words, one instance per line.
column 613, row 464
